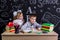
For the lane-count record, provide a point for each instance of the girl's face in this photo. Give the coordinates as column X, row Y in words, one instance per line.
column 19, row 16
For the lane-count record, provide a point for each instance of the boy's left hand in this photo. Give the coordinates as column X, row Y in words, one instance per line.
column 38, row 29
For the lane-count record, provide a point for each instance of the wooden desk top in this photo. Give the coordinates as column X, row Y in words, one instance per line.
column 50, row 33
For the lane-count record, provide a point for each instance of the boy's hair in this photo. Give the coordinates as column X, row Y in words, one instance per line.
column 32, row 16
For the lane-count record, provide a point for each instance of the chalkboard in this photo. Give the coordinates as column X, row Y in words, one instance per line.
column 31, row 6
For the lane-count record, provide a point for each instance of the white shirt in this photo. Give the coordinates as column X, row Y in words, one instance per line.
column 18, row 21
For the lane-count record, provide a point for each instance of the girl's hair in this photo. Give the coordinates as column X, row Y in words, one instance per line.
column 18, row 14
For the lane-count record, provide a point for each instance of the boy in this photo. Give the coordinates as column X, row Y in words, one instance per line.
column 31, row 25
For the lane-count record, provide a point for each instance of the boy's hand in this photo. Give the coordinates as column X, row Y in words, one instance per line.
column 38, row 29
column 32, row 29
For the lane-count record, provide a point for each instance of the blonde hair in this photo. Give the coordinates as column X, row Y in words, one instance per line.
column 18, row 15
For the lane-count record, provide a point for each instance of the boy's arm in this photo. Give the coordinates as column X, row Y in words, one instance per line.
column 38, row 26
column 24, row 27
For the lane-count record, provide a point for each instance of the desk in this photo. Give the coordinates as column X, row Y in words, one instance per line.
column 29, row 36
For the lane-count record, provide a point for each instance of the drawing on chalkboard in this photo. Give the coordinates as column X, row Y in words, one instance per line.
column 58, row 10
column 55, row 20
column 47, row 17
column 50, row 18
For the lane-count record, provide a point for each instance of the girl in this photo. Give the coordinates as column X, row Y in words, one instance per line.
column 19, row 20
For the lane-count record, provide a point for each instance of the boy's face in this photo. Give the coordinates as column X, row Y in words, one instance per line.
column 20, row 16
column 32, row 19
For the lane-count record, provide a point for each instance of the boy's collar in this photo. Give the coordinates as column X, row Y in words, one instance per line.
column 31, row 23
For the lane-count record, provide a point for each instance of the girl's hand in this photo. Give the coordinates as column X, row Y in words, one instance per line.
column 15, row 24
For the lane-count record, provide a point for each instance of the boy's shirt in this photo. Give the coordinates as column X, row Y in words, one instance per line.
column 27, row 26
